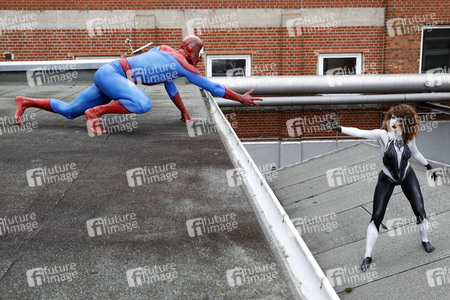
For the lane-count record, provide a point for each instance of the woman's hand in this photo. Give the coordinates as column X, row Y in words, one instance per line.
column 331, row 125
column 434, row 174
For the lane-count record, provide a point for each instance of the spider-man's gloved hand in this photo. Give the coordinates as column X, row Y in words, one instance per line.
column 185, row 117
column 331, row 125
column 246, row 99
column 184, row 113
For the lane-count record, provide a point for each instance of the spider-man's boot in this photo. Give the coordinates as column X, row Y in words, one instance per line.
column 94, row 113
column 23, row 103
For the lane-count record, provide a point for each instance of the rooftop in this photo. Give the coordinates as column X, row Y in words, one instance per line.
column 332, row 211
column 126, row 235
column 130, row 234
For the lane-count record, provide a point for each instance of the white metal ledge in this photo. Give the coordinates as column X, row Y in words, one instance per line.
column 307, row 277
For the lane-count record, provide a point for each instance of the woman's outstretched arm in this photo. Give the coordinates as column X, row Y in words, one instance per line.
column 367, row 134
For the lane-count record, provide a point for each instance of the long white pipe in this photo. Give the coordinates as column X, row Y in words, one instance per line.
column 343, row 99
column 327, row 84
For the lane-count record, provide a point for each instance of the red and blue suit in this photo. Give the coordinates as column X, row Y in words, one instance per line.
column 117, row 81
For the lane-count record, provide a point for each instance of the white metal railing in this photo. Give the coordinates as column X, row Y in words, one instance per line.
column 306, row 276
column 86, row 64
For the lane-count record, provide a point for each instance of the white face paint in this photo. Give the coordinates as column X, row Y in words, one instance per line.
column 395, row 123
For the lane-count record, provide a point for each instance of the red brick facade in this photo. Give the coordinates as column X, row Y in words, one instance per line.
column 299, row 124
column 65, row 44
column 292, row 55
column 403, row 51
column 185, row 4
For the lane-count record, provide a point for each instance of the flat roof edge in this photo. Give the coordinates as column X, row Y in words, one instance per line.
column 58, row 65
column 307, row 278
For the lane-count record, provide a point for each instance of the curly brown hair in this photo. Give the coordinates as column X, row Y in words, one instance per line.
column 409, row 120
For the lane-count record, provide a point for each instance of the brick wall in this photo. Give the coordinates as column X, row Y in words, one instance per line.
column 272, row 48
column 300, row 52
column 184, row 4
column 64, row 44
column 299, row 124
column 274, row 51
column 402, row 48
column 302, row 124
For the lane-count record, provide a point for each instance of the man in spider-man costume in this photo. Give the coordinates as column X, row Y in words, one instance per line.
column 117, row 81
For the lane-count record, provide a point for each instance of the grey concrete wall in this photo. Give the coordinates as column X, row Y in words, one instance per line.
column 434, row 141
column 288, row 153
column 194, row 18
column 20, row 78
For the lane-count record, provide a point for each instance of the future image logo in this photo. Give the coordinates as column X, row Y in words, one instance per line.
column 53, row 274
column 212, row 24
column 307, row 125
column 54, row 174
column 443, row 177
column 340, row 176
column 437, row 77
column 315, row 224
column 18, row 23
column 311, row 24
column 8, row 124
column 403, row 26
column 51, row 75
column 139, row 276
column 248, row 275
column 235, row 72
column 438, row 277
column 149, row 175
column 339, row 76
column 268, row 171
column 408, row 225
column 235, row 177
column 18, row 223
column 201, row 126
column 101, row 25
column 108, row 225
column 351, row 275
column 112, row 124
column 208, row 225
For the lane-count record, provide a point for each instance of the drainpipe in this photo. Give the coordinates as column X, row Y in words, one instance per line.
column 331, row 84
column 343, row 99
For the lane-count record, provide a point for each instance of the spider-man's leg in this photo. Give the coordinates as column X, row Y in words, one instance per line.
column 87, row 99
column 131, row 99
column 23, row 103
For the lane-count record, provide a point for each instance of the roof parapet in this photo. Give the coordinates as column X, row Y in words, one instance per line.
column 307, row 278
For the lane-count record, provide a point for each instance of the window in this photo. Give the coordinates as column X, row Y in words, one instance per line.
column 340, row 64
column 228, row 65
column 435, row 48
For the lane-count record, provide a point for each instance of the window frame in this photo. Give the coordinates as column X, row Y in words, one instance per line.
column 357, row 55
column 210, row 57
column 432, row 27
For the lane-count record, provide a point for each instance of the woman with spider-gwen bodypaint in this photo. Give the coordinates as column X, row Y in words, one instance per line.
column 397, row 145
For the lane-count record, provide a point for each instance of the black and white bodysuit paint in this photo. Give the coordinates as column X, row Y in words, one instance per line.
column 396, row 171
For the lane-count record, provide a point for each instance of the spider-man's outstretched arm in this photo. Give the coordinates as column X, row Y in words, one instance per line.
column 173, row 93
column 222, row 91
